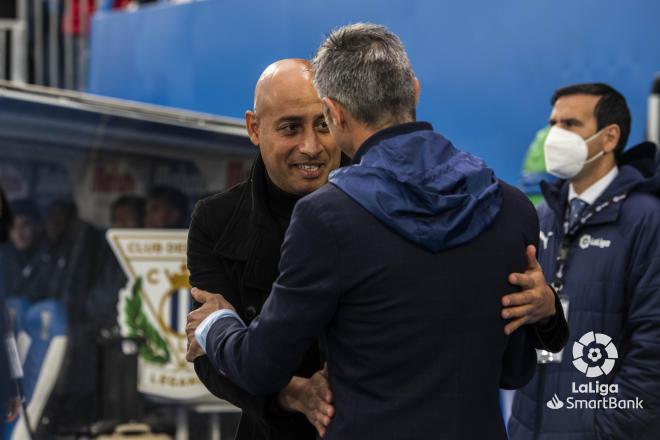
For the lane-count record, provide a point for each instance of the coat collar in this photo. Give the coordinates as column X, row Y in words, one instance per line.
column 389, row 132
column 556, row 196
column 636, row 174
column 252, row 235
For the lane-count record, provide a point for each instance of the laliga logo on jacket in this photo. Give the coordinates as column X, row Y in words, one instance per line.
column 594, row 354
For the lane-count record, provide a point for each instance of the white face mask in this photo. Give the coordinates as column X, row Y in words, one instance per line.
column 566, row 152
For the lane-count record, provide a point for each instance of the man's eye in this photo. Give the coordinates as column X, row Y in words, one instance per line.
column 322, row 126
column 288, row 129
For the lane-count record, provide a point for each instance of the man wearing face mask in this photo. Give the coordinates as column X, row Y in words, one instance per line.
column 600, row 236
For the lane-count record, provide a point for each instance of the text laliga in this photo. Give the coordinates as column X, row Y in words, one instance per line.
column 595, row 388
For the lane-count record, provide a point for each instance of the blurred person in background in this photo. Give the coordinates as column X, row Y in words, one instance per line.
column 71, row 253
column 166, row 208
column 73, row 265
column 26, row 230
column 6, row 385
column 6, row 217
column 24, row 262
column 127, row 212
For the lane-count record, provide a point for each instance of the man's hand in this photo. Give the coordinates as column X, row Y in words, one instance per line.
column 210, row 302
column 535, row 304
column 194, row 350
column 312, row 397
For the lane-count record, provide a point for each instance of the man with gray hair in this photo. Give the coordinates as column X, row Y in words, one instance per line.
column 382, row 262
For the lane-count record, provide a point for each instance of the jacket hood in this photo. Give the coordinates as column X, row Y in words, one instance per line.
column 638, row 172
column 414, row 181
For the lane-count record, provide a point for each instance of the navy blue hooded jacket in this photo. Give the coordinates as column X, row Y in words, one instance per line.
column 400, row 264
column 612, row 281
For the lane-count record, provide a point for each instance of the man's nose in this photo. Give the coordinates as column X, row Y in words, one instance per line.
column 310, row 144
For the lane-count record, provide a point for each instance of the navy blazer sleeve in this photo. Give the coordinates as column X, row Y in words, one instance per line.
column 519, row 360
column 552, row 336
column 262, row 357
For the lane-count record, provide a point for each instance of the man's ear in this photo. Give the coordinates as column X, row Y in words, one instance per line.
column 418, row 88
column 334, row 112
column 611, row 134
column 252, row 125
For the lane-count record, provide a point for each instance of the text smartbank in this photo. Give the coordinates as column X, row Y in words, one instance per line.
column 607, row 397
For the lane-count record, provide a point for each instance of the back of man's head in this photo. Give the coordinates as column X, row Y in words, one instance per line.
column 365, row 68
column 610, row 109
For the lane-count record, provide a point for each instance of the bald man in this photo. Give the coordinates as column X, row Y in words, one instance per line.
column 235, row 237
column 234, row 249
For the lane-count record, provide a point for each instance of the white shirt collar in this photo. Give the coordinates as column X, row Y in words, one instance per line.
column 594, row 191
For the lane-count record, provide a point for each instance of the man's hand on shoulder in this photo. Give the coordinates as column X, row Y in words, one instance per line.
column 535, row 304
column 312, row 397
column 210, row 302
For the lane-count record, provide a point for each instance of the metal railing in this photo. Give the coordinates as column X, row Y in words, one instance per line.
column 13, row 44
column 46, row 43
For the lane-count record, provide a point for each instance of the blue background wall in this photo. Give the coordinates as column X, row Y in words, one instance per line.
column 487, row 68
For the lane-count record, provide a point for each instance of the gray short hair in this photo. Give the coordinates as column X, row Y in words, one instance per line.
column 365, row 67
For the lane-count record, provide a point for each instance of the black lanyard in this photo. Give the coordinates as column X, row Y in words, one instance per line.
column 570, row 234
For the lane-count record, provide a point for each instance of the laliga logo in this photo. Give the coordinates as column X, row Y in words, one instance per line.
column 588, row 241
column 594, row 354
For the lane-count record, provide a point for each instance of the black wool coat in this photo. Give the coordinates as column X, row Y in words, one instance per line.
column 234, row 249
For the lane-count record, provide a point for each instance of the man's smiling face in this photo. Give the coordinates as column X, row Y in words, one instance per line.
column 290, row 130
